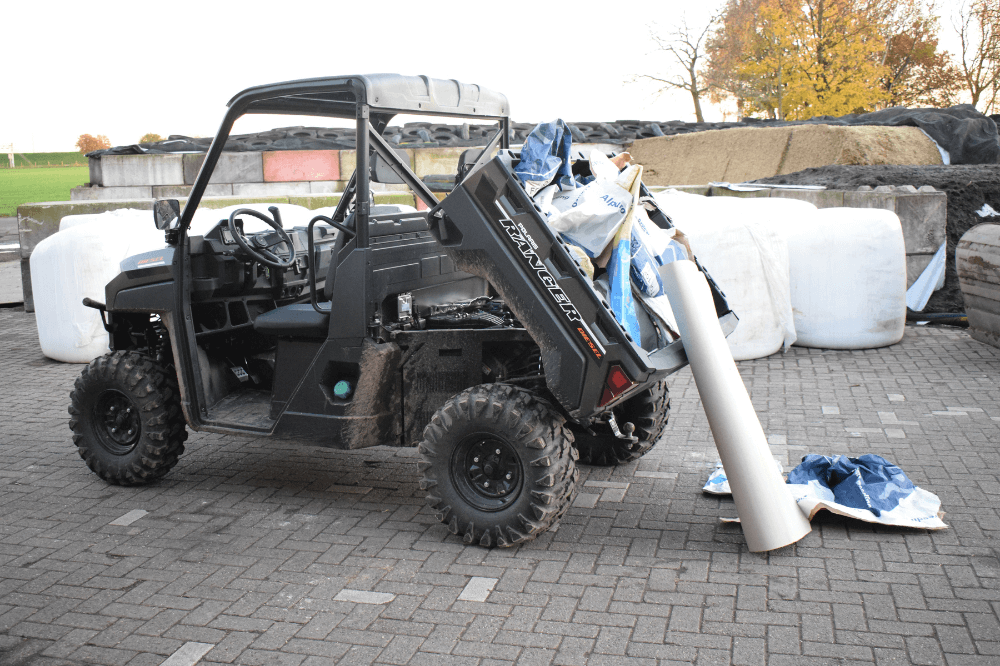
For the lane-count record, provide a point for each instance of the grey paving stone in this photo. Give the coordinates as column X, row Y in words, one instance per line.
column 249, row 542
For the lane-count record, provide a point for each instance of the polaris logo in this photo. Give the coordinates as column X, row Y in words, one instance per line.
column 526, row 245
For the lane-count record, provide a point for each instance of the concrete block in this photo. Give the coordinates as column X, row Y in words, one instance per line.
column 423, row 206
column 11, row 291
column 870, row 199
column 349, row 161
column 222, row 202
column 924, row 216
column 26, row 293
column 269, row 189
column 388, row 187
column 314, row 201
column 429, row 161
column 142, row 170
column 106, row 193
column 818, row 198
column 37, row 221
column 325, row 186
column 284, row 166
column 388, row 198
column 231, row 168
column 915, row 265
column 183, row 191
column 96, row 178
column 690, row 189
column 716, row 191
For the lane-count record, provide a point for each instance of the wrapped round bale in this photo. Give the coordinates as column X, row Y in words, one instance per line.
column 77, row 263
column 133, row 214
column 848, row 279
column 738, row 241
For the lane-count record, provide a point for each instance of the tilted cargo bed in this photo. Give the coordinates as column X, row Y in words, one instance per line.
column 491, row 228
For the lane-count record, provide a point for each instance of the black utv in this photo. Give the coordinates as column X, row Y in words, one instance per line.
column 466, row 329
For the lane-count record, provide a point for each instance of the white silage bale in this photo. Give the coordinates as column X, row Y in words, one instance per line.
column 77, row 263
column 848, row 279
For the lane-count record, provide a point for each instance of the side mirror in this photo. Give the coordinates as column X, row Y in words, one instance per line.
column 381, row 172
column 166, row 212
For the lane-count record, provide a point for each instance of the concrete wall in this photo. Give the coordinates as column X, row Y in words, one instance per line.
column 252, row 174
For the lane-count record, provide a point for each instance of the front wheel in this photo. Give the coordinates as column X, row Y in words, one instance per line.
column 499, row 465
column 125, row 414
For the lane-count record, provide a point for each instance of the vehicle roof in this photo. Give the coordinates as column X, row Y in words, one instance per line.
column 338, row 96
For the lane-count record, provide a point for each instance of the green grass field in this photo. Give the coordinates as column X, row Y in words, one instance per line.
column 20, row 186
column 43, row 159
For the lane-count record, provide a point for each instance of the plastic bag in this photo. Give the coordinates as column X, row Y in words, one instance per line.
column 545, row 156
column 591, row 216
column 652, row 247
column 619, row 268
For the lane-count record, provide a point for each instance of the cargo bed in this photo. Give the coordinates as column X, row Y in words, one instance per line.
column 491, row 228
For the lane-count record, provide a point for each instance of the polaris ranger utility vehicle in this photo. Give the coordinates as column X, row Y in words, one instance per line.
column 467, row 329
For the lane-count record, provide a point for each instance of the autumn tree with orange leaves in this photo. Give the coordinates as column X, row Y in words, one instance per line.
column 797, row 59
column 87, row 143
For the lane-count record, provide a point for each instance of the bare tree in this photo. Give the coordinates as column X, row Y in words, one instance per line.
column 687, row 48
column 978, row 29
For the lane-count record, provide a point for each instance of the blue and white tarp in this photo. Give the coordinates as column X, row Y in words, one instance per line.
column 545, row 157
column 868, row 488
column 718, row 482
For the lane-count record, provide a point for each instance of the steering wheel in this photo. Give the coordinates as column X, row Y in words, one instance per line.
column 258, row 248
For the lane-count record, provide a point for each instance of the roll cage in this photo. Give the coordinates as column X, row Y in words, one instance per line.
column 372, row 100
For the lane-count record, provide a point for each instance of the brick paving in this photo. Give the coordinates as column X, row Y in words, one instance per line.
column 259, row 552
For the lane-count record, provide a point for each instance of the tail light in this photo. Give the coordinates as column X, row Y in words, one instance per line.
column 616, row 384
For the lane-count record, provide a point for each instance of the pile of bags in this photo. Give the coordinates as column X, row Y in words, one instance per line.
column 831, row 278
column 604, row 221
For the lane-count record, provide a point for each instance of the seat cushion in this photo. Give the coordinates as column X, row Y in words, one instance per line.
column 299, row 320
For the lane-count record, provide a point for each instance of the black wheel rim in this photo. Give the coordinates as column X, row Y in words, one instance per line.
column 116, row 420
column 487, row 471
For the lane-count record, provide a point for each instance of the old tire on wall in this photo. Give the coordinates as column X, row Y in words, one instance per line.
column 498, row 464
column 126, row 418
column 647, row 411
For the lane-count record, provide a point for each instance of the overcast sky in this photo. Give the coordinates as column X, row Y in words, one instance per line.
column 126, row 68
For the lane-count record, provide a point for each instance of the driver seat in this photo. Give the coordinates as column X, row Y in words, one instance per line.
column 298, row 320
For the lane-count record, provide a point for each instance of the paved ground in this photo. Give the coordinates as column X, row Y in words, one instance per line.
column 252, row 552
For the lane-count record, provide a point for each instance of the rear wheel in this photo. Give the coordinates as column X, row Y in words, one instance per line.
column 498, row 464
column 126, row 418
column 648, row 412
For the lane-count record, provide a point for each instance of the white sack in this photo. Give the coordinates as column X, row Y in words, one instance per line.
column 591, row 215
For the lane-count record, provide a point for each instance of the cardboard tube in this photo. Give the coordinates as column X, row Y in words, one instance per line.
column 768, row 512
